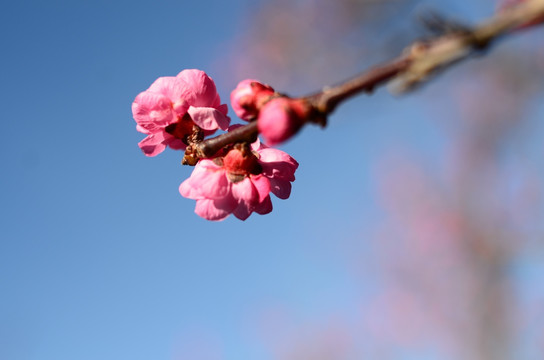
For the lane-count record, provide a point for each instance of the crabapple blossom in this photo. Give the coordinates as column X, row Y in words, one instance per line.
column 240, row 182
column 281, row 118
column 248, row 97
column 168, row 110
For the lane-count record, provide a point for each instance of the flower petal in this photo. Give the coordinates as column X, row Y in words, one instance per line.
column 262, row 185
column 206, row 208
column 209, row 118
column 277, row 164
column 177, row 144
column 242, row 211
column 152, row 111
column 280, row 188
column 199, row 89
column 264, row 207
column 244, row 191
column 153, row 144
column 207, row 181
column 169, row 86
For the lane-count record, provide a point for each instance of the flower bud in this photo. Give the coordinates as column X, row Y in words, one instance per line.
column 248, row 97
column 281, row 118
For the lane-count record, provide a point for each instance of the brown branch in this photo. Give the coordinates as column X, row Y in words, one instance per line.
column 326, row 100
column 417, row 65
column 210, row 147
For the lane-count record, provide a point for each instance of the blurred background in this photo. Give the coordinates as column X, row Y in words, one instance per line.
column 414, row 229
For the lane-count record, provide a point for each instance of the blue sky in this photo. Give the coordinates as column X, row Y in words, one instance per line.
column 100, row 258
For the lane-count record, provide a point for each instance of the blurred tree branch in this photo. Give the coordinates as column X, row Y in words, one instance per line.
column 419, row 62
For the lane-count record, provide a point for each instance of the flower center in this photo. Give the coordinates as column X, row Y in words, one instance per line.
column 241, row 162
column 182, row 128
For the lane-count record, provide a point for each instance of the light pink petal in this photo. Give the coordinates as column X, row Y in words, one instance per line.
column 153, row 144
column 247, row 196
column 264, row 207
column 277, row 164
column 226, row 203
column 280, row 188
column 206, row 208
column 152, row 111
column 190, row 187
column 209, row 118
column 244, row 191
column 206, row 182
column 274, row 155
column 169, row 86
column 198, row 89
column 142, row 130
column 262, row 184
column 257, row 145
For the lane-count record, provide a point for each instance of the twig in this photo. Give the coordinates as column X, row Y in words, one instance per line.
column 419, row 62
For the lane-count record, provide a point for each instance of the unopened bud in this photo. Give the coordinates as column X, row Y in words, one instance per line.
column 248, row 97
column 281, row 118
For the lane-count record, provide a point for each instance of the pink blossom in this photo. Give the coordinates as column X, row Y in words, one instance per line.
column 167, row 111
column 281, row 118
column 248, row 97
column 240, row 182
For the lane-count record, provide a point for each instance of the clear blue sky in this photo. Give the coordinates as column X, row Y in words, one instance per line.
column 100, row 258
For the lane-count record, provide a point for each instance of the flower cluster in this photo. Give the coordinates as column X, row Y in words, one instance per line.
column 179, row 112
column 240, row 182
column 278, row 117
column 169, row 109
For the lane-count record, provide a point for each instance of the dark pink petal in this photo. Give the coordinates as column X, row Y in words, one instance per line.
column 262, row 184
column 198, row 89
column 264, row 207
column 209, row 118
column 153, row 144
column 242, row 211
column 177, row 144
column 280, row 188
column 224, row 109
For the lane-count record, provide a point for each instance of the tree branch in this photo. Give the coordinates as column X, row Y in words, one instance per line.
column 419, row 62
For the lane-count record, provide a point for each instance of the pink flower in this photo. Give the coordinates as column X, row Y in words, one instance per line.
column 281, row 118
column 248, row 97
column 167, row 111
column 240, row 182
